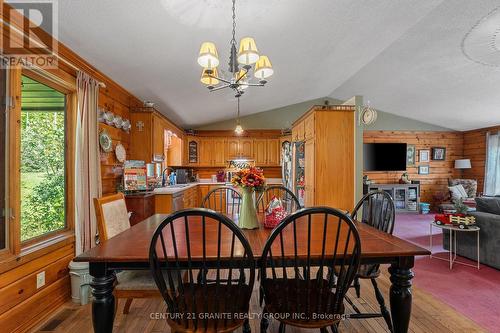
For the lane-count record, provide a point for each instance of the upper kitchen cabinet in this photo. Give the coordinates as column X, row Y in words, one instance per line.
column 266, row 152
column 298, row 131
column 212, row 151
column 239, row 148
column 151, row 136
column 192, row 148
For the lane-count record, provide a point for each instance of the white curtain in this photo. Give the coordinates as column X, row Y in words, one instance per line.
column 492, row 174
column 87, row 162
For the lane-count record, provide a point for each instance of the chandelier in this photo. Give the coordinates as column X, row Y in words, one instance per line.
column 239, row 79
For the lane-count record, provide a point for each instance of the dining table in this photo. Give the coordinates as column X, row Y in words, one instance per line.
column 129, row 250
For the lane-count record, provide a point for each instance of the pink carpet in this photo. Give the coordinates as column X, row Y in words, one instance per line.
column 474, row 293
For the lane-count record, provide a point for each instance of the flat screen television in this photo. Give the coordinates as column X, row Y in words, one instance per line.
column 384, row 156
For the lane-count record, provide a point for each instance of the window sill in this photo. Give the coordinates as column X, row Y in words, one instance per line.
column 37, row 250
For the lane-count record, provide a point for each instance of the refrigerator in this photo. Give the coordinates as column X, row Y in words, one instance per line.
column 287, row 165
column 298, row 167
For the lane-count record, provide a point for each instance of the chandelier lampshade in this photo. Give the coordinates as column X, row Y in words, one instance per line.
column 248, row 53
column 238, row 130
column 209, row 80
column 208, row 57
column 263, row 68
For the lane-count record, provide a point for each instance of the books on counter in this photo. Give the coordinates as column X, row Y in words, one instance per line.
column 134, row 175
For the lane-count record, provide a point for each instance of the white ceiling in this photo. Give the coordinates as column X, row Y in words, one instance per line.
column 404, row 56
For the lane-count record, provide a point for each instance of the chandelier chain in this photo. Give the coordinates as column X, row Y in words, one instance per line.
column 233, row 40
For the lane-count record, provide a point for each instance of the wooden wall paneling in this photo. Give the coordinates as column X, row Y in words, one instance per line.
column 440, row 171
column 31, row 310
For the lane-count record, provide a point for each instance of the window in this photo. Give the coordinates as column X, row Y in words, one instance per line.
column 43, row 128
column 492, row 175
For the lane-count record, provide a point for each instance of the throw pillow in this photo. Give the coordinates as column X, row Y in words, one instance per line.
column 488, row 205
column 457, row 192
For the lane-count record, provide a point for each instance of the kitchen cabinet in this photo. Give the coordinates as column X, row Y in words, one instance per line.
column 190, row 197
column 147, row 135
column 329, row 155
column 212, row 152
column 273, row 152
column 260, row 151
column 309, row 126
column 192, row 148
column 298, row 131
column 239, row 148
column 203, row 190
column 141, row 205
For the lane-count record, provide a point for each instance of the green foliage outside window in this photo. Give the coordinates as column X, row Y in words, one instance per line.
column 42, row 168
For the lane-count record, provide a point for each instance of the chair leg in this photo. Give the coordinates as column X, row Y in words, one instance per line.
column 246, row 326
column 357, row 287
column 335, row 328
column 126, row 308
column 381, row 302
column 282, row 328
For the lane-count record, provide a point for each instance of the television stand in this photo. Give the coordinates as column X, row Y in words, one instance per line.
column 406, row 196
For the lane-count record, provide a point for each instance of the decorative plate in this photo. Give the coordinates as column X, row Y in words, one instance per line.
column 120, row 152
column 105, row 142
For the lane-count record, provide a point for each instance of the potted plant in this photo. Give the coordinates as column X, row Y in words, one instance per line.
column 249, row 180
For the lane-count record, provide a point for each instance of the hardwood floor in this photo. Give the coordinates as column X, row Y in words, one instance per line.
column 428, row 315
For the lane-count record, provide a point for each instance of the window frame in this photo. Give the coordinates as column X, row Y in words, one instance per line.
column 18, row 251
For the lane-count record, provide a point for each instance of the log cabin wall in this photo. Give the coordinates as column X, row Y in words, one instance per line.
column 440, row 171
column 22, row 305
column 475, row 150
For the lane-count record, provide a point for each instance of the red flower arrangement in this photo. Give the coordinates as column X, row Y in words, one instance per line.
column 252, row 178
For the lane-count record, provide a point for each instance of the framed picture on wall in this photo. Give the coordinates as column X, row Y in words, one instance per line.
column 438, row 153
column 410, row 155
column 424, row 155
column 423, row 170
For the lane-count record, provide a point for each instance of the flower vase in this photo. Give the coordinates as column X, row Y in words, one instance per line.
column 248, row 213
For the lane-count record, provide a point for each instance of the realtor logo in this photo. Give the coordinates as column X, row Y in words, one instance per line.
column 25, row 41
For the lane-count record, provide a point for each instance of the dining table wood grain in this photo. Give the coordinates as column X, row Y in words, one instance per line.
column 129, row 250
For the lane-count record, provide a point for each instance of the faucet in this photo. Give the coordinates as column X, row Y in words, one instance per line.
column 163, row 178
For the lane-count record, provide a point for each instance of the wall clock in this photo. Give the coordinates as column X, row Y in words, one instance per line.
column 368, row 115
column 121, row 153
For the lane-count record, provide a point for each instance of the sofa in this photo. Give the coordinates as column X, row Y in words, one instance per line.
column 470, row 187
column 487, row 216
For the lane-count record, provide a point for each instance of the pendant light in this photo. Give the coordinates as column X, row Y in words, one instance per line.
column 238, row 130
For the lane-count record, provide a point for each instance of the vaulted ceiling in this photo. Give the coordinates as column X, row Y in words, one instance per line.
column 430, row 60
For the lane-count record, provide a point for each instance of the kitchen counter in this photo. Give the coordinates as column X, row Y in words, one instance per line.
column 183, row 187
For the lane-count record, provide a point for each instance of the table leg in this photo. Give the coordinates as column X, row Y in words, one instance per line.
column 103, row 304
column 477, row 232
column 400, row 293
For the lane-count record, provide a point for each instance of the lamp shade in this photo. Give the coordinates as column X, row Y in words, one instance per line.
column 462, row 164
column 263, row 68
column 248, row 53
column 208, row 57
column 238, row 130
column 208, row 80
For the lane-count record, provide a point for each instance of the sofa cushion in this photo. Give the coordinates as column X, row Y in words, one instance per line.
column 457, row 192
column 470, row 186
column 488, row 205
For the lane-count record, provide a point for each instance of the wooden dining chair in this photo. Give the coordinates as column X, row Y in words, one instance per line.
column 287, row 197
column 294, row 268
column 201, row 305
column 225, row 200
column 376, row 209
column 112, row 219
